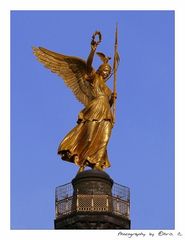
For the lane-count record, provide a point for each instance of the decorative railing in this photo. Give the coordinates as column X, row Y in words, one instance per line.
column 118, row 203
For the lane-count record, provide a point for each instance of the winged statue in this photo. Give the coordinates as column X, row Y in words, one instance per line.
column 86, row 144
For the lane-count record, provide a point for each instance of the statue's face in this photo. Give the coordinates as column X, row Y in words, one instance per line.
column 105, row 73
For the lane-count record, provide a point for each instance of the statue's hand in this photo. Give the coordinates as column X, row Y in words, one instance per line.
column 113, row 98
column 94, row 45
column 114, row 95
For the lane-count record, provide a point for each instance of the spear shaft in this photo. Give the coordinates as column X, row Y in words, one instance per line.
column 115, row 71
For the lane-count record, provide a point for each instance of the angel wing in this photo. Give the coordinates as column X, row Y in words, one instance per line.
column 71, row 69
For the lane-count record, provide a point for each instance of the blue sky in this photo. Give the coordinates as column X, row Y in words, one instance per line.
column 43, row 110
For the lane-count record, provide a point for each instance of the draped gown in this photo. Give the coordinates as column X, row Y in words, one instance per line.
column 87, row 142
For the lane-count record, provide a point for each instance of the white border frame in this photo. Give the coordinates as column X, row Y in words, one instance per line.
column 6, row 7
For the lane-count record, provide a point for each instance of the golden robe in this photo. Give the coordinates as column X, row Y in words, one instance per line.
column 87, row 142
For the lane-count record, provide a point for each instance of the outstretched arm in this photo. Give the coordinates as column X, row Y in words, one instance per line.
column 94, row 45
column 90, row 58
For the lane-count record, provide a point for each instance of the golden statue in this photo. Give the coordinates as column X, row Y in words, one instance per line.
column 86, row 144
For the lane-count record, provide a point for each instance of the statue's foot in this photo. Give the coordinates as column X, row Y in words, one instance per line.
column 98, row 166
column 81, row 169
column 75, row 159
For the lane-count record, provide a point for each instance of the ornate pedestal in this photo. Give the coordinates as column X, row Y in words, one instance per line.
column 92, row 201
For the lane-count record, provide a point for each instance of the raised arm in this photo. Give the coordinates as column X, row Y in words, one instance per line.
column 94, row 45
column 90, row 58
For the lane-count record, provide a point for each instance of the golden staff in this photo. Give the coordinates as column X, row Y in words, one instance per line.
column 115, row 66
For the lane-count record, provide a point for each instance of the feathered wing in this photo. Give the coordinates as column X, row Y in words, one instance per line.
column 71, row 69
